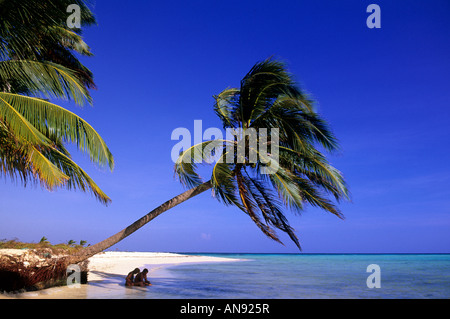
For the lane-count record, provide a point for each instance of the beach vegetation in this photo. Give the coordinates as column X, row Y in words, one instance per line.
column 68, row 247
column 43, row 240
column 32, row 266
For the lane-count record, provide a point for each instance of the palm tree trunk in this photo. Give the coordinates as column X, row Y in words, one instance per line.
column 90, row 251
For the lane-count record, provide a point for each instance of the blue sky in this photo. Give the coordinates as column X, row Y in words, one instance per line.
column 385, row 92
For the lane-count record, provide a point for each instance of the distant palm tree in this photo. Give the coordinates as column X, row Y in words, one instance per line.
column 83, row 242
column 268, row 98
column 37, row 62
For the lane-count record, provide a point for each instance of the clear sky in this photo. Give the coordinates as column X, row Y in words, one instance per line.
column 385, row 92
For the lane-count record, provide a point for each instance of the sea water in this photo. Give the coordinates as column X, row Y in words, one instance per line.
column 287, row 276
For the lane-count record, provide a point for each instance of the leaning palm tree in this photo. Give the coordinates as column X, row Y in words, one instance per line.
column 268, row 100
column 37, row 63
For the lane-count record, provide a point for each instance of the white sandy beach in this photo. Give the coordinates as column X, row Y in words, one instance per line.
column 107, row 272
column 121, row 263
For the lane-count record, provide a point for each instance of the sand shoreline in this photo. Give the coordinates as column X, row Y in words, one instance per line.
column 107, row 272
column 121, row 263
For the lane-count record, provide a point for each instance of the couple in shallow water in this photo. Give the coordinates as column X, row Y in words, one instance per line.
column 137, row 278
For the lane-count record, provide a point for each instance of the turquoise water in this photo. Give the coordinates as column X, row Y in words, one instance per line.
column 279, row 276
column 308, row 276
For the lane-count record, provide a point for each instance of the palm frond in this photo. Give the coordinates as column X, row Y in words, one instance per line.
column 46, row 172
column 19, row 125
column 270, row 207
column 311, row 195
column 48, row 165
column 250, row 207
column 224, row 183
column 29, row 24
column 69, row 39
column 188, row 160
column 225, row 105
column 13, row 156
column 284, row 182
column 44, row 79
column 49, row 118
column 300, row 128
column 77, row 177
column 316, row 168
column 19, row 157
column 263, row 84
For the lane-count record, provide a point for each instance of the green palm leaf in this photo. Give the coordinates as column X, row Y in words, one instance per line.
column 224, row 183
column 47, row 172
column 224, row 104
column 45, row 79
column 186, row 164
column 77, row 177
column 29, row 26
column 19, row 157
column 19, row 125
column 63, row 124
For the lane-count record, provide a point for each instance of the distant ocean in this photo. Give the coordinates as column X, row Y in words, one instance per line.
column 273, row 276
column 283, row 276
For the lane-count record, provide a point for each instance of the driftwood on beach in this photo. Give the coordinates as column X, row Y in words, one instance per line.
column 25, row 270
